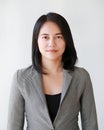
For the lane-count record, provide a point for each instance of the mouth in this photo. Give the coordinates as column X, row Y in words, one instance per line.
column 51, row 50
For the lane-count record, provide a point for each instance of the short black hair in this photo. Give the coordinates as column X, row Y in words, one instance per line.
column 69, row 56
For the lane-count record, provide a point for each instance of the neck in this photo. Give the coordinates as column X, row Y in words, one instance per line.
column 52, row 67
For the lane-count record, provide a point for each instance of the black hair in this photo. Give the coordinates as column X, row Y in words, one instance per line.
column 69, row 56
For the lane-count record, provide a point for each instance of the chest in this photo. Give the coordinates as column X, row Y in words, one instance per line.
column 52, row 84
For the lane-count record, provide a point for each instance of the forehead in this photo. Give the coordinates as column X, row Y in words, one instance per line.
column 50, row 27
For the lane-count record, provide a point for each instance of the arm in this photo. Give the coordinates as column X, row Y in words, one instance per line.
column 88, row 110
column 16, row 107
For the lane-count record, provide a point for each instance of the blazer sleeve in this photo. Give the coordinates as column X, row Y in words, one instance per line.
column 16, row 107
column 88, row 110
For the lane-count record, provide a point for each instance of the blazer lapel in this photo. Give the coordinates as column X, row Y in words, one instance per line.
column 37, row 81
column 65, row 87
column 38, row 85
column 66, row 83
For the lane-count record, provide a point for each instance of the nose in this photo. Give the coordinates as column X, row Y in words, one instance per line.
column 51, row 42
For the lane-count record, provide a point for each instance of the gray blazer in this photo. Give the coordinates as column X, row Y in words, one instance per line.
column 28, row 100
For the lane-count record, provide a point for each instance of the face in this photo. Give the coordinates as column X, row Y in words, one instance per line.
column 51, row 42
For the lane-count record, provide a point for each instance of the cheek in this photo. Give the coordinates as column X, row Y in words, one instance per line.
column 41, row 46
column 63, row 46
column 40, row 43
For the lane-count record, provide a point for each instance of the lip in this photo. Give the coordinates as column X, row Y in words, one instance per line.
column 51, row 50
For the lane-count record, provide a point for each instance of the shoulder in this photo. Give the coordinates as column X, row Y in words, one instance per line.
column 81, row 77
column 25, row 73
column 81, row 73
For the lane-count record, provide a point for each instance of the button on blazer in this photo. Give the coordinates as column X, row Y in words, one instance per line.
column 27, row 100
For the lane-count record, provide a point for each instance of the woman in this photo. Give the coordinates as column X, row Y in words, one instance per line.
column 52, row 91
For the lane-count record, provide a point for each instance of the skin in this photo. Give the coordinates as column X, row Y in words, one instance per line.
column 51, row 45
column 51, row 42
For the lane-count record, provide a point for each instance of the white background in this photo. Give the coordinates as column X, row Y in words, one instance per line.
column 86, row 20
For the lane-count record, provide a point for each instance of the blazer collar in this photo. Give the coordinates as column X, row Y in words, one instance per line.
column 37, row 81
column 66, row 84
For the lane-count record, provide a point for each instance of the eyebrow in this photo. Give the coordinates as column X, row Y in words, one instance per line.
column 58, row 34
column 44, row 34
column 48, row 34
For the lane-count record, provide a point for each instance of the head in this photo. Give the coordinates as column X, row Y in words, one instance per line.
column 69, row 56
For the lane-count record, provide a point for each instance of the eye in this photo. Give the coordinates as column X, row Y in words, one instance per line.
column 59, row 36
column 45, row 37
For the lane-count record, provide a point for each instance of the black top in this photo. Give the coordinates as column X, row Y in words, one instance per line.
column 53, row 102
